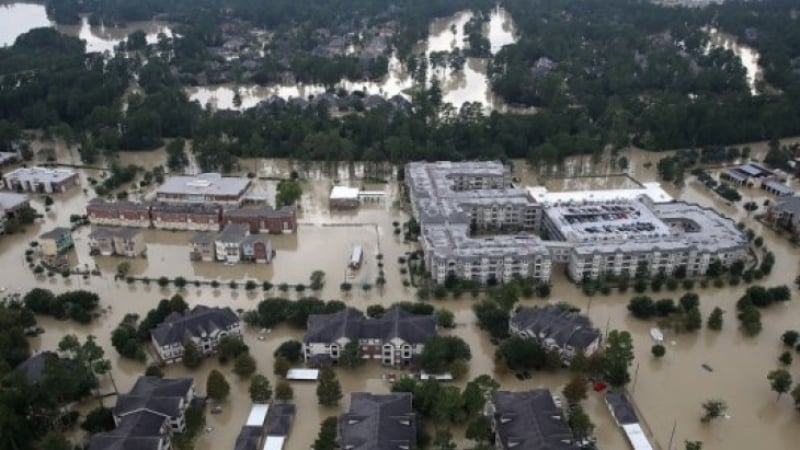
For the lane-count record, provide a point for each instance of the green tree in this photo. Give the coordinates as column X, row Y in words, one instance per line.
column 98, row 420
column 326, row 439
column 780, row 380
column 476, row 392
column 317, row 280
column 288, row 193
column 441, row 351
column 790, row 338
column 658, row 351
column 329, row 391
column 217, row 387
column 694, row 445
column 713, row 409
column 576, row 389
column 281, row 366
column 260, row 389
column 796, row 396
column 479, row 430
column 580, row 423
column 786, row 358
column 291, row 350
column 618, row 358
column 231, row 347
column 244, row 365
column 715, row 319
column 445, row 318
column 352, row 356
column 693, row 320
column 192, row 358
column 283, row 391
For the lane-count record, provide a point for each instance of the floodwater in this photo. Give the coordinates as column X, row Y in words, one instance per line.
column 669, row 392
column 469, row 85
column 19, row 18
column 748, row 55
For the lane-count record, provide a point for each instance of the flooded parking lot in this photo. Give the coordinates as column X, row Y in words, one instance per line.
column 668, row 391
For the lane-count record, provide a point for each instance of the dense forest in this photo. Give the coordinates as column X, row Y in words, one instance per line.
column 610, row 73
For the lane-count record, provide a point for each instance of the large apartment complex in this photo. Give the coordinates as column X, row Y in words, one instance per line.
column 593, row 233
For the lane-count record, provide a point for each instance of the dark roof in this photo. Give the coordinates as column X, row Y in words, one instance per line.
column 255, row 238
column 55, row 233
column 264, row 211
column 123, row 205
column 202, row 237
column 249, row 438
column 201, row 319
column 351, row 323
column 162, row 396
column 108, row 232
column 621, row 408
column 233, row 232
column 553, row 322
column 138, row 431
column 127, row 232
column 791, row 204
column 279, row 419
column 378, row 422
column 33, row 367
column 530, row 421
column 189, row 208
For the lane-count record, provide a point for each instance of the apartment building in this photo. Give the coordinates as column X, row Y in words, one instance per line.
column 378, row 422
column 42, row 180
column 204, row 188
column 530, row 420
column 202, row 325
column 124, row 241
column 118, row 214
column 264, row 219
column 169, row 398
column 556, row 328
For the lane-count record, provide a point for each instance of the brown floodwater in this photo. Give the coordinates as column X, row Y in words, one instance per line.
column 669, row 392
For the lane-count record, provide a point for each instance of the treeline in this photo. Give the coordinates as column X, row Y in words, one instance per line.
column 77, row 305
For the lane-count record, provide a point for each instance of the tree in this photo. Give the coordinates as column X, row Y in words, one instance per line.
column 329, row 391
column 154, row 370
column 713, row 409
column 192, row 358
column 281, row 366
column 580, row 423
column 642, row 307
column 177, row 303
column 217, row 387
column 475, row 393
column 780, row 381
column 441, row 351
column 796, row 396
column 283, row 391
column 519, row 353
column 288, row 193
column 99, row 420
column 445, row 318
column 55, row 441
column 244, row 365
column 326, row 439
column 479, row 430
column 693, row 320
column 618, row 357
column 352, row 356
column 786, row 358
column 715, row 319
column 658, row 351
column 231, row 347
column 790, row 338
column 317, row 280
column 575, row 389
column 260, row 389
column 291, row 350
column 694, row 445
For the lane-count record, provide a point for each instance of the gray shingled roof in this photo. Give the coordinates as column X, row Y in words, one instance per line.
column 264, row 211
column 201, row 319
column 233, row 232
column 530, row 421
column 791, row 205
column 138, row 431
column 33, row 367
column 161, row 396
column 55, row 233
column 378, row 422
column 202, row 237
column 621, row 408
column 564, row 327
column 248, row 438
column 351, row 323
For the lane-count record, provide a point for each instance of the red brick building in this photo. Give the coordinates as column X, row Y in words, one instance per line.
column 197, row 217
column 122, row 213
column 264, row 219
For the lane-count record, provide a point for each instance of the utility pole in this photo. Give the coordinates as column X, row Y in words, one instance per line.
column 635, row 377
column 672, row 435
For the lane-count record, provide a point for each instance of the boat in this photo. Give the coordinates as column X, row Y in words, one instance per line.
column 707, row 367
column 657, row 334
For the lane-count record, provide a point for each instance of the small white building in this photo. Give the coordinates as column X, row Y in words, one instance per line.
column 343, row 197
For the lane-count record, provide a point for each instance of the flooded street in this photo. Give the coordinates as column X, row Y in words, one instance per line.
column 668, row 391
column 747, row 55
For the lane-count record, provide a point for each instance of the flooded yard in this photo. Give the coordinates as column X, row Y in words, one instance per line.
column 667, row 391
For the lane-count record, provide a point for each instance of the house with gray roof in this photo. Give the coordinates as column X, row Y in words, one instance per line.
column 396, row 338
column 203, row 248
column 142, row 430
column 556, row 328
column 528, row 421
column 33, row 367
column 378, row 422
column 202, row 325
column 124, row 241
column 785, row 214
column 168, row 398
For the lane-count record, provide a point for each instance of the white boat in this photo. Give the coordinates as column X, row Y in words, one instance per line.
column 657, row 334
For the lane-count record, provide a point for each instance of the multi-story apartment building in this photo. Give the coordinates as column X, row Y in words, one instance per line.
column 118, row 214
column 530, row 420
column 41, row 179
column 378, row 422
column 264, row 219
column 186, row 216
column 556, row 328
column 202, row 325
column 463, row 209
column 124, row 241
column 169, row 398
column 396, row 338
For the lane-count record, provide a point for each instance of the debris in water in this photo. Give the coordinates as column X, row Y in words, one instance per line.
column 707, row 367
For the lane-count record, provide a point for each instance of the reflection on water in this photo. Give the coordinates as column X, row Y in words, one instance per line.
column 748, row 55
column 446, row 34
column 19, row 18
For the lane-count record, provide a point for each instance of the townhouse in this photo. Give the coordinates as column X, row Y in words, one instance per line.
column 378, row 422
column 124, row 241
column 202, row 325
column 556, row 328
column 530, row 420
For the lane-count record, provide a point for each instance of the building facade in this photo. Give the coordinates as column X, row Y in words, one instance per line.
column 396, row 338
column 56, row 242
column 41, row 180
column 202, row 325
column 264, row 219
column 125, row 241
column 169, row 398
column 118, row 214
column 186, row 216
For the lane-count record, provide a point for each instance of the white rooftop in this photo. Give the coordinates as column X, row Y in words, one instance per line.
column 652, row 190
column 11, row 200
column 41, row 174
column 205, row 183
column 302, row 374
column 274, row 443
column 344, row 193
column 636, row 437
column 257, row 416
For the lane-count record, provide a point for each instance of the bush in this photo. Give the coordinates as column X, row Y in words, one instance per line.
column 658, row 350
column 163, row 281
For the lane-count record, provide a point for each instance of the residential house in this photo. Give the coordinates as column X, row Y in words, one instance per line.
column 56, row 241
column 203, row 248
column 142, row 430
column 228, row 243
column 528, row 420
column 10, row 205
column 166, row 397
column 396, row 338
column 41, row 179
column 264, row 219
column 125, row 241
column 202, row 325
column 785, row 214
column 121, row 213
column 257, row 248
column 33, row 367
column 185, row 216
column 557, row 328
column 378, row 422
